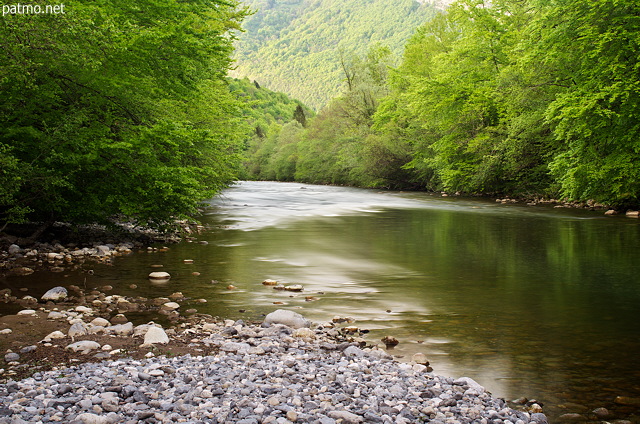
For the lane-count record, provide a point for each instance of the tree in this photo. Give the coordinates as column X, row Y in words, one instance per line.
column 593, row 51
column 299, row 116
column 117, row 109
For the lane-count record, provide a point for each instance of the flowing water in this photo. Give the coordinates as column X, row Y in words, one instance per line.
column 528, row 301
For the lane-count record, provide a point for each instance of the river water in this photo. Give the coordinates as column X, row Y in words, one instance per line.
column 528, row 301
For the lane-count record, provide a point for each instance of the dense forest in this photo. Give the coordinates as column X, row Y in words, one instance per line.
column 293, row 46
column 265, row 113
column 117, row 109
column 524, row 98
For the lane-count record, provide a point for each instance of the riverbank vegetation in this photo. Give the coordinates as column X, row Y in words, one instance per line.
column 521, row 98
column 117, row 109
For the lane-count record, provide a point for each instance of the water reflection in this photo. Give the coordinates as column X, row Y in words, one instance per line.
column 529, row 301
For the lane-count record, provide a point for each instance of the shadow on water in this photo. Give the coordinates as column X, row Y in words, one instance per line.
column 529, row 301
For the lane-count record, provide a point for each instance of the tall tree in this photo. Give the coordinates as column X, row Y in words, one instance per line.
column 116, row 108
column 593, row 50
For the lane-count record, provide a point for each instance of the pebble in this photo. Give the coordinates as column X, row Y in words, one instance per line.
column 257, row 375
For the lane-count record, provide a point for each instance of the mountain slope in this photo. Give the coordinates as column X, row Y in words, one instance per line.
column 295, row 46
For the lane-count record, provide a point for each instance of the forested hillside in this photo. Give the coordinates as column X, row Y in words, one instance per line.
column 524, row 97
column 266, row 112
column 296, row 46
column 263, row 108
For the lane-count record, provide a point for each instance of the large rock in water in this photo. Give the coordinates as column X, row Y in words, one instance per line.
column 159, row 276
column 288, row 318
column 55, row 294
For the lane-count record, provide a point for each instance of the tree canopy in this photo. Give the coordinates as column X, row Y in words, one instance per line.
column 525, row 98
column 117, row 108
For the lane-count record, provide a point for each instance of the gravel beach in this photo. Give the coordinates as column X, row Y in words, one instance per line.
column 252, row 373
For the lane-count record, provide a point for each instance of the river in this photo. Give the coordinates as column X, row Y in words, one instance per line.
column 529, row 301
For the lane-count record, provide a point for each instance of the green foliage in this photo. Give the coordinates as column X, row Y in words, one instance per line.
column 595, row 48
column 509, row 97
column 262, row 107
column 337, row 146
column 294, row 46
column 117, row 108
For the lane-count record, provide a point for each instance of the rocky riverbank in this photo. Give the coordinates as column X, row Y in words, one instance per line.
column 64, row 247
column 206, row 370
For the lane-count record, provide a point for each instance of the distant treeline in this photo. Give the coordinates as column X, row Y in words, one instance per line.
column 523, row 98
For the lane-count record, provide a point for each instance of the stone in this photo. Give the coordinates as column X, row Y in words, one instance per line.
column 119, row 319
column 288, row 318
column 341, row 320
column 100, row 322
column 176, row 296
column 6, row 331
column 419, row 368
column 54, row 335
column 304, row 333
column 625, row 400
column 390, row 341
column 77, row 329
column 55, row 315
column 346, row 417
column 125, row 329
column 171, row 305
column 155, row 335
column 601, row 412
column 159, row 276
column 83, row 346
column 354, row 351
column 27, row 312
column 13, row 249
column 11, row 357
column 534, row 408
column 294, row 288
column 470, row 382
column 420, row 358
column 103, row 250
column 84, row 310
column 28, row 349
column 88, row 418
column 539, row 417
column 269, row 282
column 63, row 389
column 22, row 271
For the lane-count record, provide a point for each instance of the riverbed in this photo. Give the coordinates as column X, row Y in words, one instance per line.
column 531, row 301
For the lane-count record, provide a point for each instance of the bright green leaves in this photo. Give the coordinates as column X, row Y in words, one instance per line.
column 596, row 49
column 117, row 109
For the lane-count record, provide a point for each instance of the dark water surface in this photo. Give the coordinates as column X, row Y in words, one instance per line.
column 528, row 301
